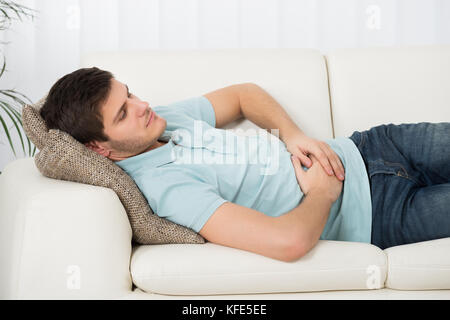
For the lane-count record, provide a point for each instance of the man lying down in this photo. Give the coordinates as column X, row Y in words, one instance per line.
column 272, row 194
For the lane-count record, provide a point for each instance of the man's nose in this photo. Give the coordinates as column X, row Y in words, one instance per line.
column 142, row 106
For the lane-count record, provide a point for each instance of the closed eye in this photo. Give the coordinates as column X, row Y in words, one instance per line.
column 124, row 113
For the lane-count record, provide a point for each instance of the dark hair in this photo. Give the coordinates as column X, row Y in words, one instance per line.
column 73, row 104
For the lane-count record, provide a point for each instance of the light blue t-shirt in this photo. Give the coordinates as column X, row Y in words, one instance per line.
column 201, row 167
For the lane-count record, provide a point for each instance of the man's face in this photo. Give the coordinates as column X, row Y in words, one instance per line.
column 126, row 123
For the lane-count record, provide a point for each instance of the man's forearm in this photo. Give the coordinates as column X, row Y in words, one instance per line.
column 308, row 219
column 264, row 111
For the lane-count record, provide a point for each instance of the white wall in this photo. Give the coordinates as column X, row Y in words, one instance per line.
column 44, row 50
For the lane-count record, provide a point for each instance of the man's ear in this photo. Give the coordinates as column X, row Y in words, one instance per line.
column 95, row 146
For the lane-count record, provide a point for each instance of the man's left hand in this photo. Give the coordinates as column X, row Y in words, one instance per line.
column 300, row 145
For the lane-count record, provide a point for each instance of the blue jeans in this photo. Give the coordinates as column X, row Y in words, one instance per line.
column 408, row 166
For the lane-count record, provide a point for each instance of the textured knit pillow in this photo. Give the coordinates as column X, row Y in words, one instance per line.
column 64, row 158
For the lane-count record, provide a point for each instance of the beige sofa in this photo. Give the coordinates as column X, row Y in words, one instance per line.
column 67, row 240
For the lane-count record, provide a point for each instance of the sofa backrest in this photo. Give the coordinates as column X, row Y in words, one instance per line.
column 296, row 78
column 365, row 86
column 381, row 85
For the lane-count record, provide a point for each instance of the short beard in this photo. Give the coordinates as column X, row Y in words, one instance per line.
column 130, row 146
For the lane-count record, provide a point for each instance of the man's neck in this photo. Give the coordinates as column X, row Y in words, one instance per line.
column 156, row 145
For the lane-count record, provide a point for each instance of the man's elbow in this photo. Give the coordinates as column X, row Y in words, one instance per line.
column 295, row 249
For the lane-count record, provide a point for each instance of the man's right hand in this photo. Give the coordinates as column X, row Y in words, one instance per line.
column 315, row 179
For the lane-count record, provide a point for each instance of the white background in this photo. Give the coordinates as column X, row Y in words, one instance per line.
column 43, row 50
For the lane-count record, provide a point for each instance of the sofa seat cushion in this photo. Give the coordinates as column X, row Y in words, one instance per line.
column 419, row 266
column 210, row 269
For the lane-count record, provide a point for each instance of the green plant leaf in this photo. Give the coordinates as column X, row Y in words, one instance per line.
column 13, row 95
column 19, row 118
column 7, row 11
column 7, row 134
column 5, row 107
column 14, row 113
column 3, row 67
column 20, row 11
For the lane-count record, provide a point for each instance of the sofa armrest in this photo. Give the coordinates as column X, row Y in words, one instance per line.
column 60, row 239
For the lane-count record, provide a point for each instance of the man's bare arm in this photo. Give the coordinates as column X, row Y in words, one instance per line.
column 287, row 237
column 258, row 106
column 309, row 218
column 226, row 104
column 261, row 108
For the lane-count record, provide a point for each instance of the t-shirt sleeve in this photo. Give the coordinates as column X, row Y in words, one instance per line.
column 185, row 201
column 197, row 108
